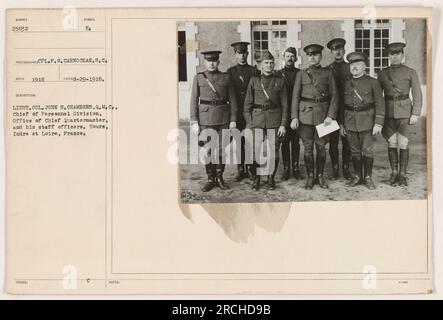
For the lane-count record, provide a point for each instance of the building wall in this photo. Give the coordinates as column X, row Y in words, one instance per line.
column 319, row 32
column 217, row 36
column 415, row 51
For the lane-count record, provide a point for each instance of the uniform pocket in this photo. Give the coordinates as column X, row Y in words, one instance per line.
column 203, row 108
column 306, row 111
column 274, row 118
column 348, row 115
column 406, row 104
column 367, row 96
column 306, row 80
column 369, row 114
column 405, row 108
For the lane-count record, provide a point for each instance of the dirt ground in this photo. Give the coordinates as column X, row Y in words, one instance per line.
column 194, row 176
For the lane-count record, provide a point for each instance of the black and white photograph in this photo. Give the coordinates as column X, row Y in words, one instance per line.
column 302, row 110
column 222, row 150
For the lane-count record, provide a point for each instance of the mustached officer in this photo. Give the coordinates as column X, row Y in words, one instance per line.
column 363, row 118
column 213, row 106
column 266, row 110
column 398, row 82
column 240, row 75
column 314, row 101
column 340, row 69
column 290, row 148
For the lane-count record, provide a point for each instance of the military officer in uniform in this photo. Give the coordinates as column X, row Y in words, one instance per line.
column 363, row 118
column 314, row 101
column 266, row 110
column 213, row 106
column 240, row 75
column 340, row 69
column 398, row 81
column 290, row 148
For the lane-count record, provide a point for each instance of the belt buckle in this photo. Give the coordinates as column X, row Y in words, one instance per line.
column 396, row 97
column 214, row 103
column 317, row 99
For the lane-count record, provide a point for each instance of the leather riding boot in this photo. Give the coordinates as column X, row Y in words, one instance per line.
column 309, row 163
column 335, row 172
column 240, row 173
column 346, row 173
column 295, row 156
column 321, row 160
column 286, row 173
column 358, row 178
column 219, row 177
column 255, row 177
column 296, row 173
column 271, row 178
column 393, row 161
column 286, row 158
column 346, row 158
column 211, row 178
column 368, row 164
column 256, row 183
column 404, row 158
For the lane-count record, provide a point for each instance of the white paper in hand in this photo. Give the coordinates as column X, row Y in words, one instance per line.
column 323, row 130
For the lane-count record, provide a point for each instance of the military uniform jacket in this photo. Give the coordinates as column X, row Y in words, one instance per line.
column 240, row 76
column 369, row 90
column 312, row 83
column 208, row 108
column 404, row 81
column 261, row 113
column 288, row 75
column 341, row 72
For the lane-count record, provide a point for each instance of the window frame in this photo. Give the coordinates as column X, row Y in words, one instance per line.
column 371, row 26
column 269, row 28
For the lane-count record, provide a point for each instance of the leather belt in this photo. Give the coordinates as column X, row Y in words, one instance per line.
column 316, row 99
column 222, row 102
column 398, row 97
column 364, row 107
column 262, row 107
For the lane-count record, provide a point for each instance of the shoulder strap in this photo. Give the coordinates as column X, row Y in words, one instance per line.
column 388, row 74
column 315, row 84
column 264, row 90
column 284, row 76
column 242, row 79
column 356, row 92
column 211, row 85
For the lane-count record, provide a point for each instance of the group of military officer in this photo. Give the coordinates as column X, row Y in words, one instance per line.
column 288, row 104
